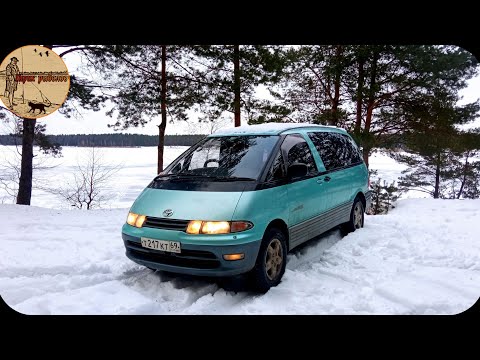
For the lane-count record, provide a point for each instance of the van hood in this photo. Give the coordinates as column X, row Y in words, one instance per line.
column 187, row 205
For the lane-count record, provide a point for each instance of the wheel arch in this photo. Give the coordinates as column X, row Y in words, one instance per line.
column 362, row 198
column 281, row 225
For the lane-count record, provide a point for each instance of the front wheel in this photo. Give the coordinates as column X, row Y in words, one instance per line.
column 357, row 218
column 271, row 261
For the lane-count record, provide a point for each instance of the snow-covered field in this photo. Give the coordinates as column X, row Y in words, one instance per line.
column 421, row 258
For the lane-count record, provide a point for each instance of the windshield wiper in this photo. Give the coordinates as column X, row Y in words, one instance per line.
column 232, row 178
column 186, row 176
column 172, row 176
column 158, row 177
column 180, row 176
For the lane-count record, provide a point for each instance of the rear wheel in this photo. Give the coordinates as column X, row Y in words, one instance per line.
column 271, row 261
column 357, row 218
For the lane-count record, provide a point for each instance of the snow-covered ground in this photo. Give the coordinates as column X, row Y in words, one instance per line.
column 422, row 258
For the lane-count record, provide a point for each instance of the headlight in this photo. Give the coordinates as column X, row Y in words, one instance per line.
column 135, row 219
column 217, row 227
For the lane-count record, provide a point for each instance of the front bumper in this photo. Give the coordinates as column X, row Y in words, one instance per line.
column 195, row 259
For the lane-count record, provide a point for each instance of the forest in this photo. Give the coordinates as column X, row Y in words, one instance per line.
column 111, row 140
column 383, row 95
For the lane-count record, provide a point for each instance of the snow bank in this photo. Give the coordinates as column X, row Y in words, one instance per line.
column 422, row 258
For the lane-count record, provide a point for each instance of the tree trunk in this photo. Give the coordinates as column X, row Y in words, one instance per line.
column 371, row 93
column 361, row 76
column 236, row 85
column 25, row 184
column 366, row 154
column 465, row 169
column 24, row 195
column 336, row 85
column 370, row 106
column 377, row 201
column 368, row 117
column 437, row 179
column 163, row 124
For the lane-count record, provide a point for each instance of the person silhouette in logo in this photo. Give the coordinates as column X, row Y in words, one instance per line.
column 11, row 73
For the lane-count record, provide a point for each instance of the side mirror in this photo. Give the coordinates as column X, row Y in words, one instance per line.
column 297, row 170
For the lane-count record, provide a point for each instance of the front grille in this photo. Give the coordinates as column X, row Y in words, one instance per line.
column 166, row 224
column 187, row 258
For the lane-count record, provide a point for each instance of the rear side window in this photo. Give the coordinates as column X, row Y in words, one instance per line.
column 295, row 150
column 336, row 150
column 355, row 156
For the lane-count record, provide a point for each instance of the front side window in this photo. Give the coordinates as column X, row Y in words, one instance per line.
column 295, row 150
column 227, row 157
column 276, row 171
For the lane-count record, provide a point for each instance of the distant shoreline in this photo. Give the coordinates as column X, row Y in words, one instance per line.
column 111, row 140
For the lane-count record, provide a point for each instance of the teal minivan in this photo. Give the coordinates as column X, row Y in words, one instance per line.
column 240, row 199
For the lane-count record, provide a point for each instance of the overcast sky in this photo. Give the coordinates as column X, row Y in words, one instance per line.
column 91, row 122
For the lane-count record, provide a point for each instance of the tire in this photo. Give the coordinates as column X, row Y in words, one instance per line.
column 357, row 218
column 271, row 261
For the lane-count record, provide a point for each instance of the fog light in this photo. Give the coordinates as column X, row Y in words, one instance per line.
column 232, row 257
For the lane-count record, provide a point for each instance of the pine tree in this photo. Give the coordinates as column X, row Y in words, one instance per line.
column 28, row 137
column 365, row 88
column 151, row 81
column 313, row 86
column 384, row 196
column 232, row 74
column 33, row 134
column 462, row 176
column 433, row 143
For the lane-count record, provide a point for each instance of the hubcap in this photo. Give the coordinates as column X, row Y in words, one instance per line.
column 358, row 216
column 274, row 259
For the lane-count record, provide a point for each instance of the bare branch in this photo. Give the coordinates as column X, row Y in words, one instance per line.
column 90, row 182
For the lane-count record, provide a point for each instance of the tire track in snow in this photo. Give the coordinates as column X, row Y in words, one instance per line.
column 176, row 292
column 312, row 252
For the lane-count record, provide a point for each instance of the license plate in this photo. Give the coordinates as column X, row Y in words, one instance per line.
column 162, row 245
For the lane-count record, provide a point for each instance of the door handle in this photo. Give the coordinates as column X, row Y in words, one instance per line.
column 325, row 179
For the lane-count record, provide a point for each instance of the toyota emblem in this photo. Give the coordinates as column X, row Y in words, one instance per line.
column 168, row 213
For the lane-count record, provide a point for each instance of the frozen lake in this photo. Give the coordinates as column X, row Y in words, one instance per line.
column 138, row 166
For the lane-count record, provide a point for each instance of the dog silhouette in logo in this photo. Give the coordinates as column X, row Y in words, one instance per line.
column 34, row 106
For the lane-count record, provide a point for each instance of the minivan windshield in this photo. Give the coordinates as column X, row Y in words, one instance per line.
column 226, row 158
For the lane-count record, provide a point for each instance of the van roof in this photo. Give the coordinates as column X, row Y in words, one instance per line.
column 272, row 129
